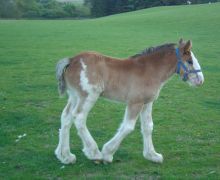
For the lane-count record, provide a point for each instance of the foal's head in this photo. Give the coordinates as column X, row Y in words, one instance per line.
column 188, row 66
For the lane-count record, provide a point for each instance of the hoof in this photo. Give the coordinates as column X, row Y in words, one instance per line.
column 65, row 158
column 94, row 155
column 97, row 161
column 154, row 157
column 106, row 155
column 107, row 158
column 107, row 162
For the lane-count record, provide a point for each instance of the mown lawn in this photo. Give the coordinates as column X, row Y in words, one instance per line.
column 187, row 120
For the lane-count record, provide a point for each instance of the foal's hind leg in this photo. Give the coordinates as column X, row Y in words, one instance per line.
column 147, row 128
column 126, row 127
column 90, row 147
column 63, row 149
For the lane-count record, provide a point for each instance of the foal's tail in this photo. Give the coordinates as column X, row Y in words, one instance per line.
column 60, row 69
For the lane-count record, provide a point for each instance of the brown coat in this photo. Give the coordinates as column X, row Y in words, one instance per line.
column 136, row 79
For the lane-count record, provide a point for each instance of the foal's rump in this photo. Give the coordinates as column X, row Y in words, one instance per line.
column 82, row 73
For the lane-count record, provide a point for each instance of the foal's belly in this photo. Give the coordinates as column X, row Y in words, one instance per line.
column 127, row 95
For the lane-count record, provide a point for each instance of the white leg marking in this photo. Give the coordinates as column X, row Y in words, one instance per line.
column 63, row 149
column 126, row 127
column 146, row 129
column 90, row 147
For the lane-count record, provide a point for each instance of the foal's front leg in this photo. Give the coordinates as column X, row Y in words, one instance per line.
column 128, row 124
column 147, row 128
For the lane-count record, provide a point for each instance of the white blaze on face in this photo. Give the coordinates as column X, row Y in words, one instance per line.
column 195, row 79
column 196, row 66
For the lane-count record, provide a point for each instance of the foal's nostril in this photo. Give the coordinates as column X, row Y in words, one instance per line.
column 200, row 79
column 200, row 82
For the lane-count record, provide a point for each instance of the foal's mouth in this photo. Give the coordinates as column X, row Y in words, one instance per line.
column 195, row 81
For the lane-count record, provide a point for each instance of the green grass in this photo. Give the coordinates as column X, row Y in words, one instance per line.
column 187, row 120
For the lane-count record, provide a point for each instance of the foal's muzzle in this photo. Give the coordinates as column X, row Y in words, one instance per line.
column 196, row 80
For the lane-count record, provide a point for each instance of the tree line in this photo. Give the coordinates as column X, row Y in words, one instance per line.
column 90, row 8
column 108, row 7
column 40, row 9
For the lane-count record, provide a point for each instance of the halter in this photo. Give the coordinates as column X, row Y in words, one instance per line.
column 180, row 64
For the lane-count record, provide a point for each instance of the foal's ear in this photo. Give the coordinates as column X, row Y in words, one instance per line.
column 188, row 47
column 181, row 41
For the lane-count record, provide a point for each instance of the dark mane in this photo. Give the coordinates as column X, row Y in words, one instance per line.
column 151, row 50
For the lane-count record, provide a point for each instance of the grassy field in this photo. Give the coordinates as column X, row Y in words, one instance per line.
column 187, row 120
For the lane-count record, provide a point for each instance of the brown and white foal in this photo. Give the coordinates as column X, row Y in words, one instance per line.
column 135, row 81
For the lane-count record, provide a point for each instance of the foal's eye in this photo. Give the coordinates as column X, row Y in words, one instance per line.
column 187, row 53
column 190, row 62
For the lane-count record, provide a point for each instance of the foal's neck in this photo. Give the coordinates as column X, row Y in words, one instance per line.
column 169, row 63
column 163, row 64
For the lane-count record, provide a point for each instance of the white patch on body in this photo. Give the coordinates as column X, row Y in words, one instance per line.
column 84, row 81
